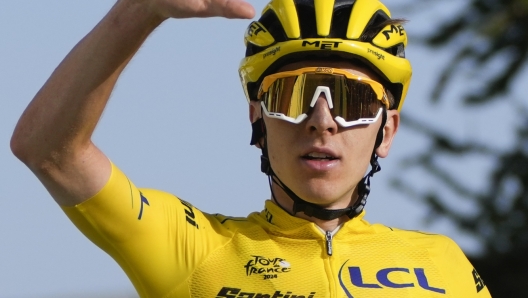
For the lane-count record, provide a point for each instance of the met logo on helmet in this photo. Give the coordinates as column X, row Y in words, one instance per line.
column 255, row 28
column 392, row 277
column 394, row 29
column 321, row 44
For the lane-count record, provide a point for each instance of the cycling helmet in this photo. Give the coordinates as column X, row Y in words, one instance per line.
column 295, row 30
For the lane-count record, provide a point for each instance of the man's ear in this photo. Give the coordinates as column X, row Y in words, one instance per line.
column 389, row 132
column 254, row 111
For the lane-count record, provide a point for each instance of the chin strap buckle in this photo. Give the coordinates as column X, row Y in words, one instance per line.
column 364, row 187
column 265, row 165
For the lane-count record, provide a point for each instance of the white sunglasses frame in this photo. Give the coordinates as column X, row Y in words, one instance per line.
column 326, row 91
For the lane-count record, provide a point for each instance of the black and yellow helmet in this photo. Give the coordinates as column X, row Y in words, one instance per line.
column 354, row 30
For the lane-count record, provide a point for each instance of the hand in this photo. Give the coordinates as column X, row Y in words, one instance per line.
column 232, row 9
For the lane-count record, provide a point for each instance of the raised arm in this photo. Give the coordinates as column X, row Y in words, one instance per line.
column 53, row 135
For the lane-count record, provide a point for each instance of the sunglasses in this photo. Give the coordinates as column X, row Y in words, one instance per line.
column 353, row 100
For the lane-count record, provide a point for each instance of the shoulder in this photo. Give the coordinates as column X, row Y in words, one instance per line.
column 436, row 243
column 233, row 224
column 439, row 248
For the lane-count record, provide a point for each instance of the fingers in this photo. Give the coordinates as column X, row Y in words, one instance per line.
column 237, row 9
column 232, row 9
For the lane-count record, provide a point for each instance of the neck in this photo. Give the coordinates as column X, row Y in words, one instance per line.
column 283, row 200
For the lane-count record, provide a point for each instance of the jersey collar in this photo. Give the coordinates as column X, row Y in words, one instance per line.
column 278, row 221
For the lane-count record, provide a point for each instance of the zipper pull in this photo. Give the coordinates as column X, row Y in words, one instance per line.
column 328, row 243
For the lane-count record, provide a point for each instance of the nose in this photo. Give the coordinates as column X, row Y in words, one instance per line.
column 320, row 119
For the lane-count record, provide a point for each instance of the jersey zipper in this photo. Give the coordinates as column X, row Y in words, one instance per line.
column 328, row 236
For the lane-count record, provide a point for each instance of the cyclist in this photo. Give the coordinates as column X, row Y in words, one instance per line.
column 325, row 80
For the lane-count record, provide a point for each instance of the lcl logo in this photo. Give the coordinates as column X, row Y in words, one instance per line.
column 417, row 277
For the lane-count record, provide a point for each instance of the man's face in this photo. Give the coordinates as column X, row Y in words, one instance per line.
column 317, row 159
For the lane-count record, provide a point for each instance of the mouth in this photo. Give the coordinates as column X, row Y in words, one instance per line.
column 319, row 156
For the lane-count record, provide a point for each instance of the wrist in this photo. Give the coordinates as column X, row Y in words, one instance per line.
column 140, row 12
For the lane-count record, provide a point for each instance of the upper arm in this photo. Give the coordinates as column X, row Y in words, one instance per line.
column 73, row 178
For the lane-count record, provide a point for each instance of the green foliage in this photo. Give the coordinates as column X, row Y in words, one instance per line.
column 484, row 31
column 489, row 40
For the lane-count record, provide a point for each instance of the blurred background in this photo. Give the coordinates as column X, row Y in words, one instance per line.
column 459, row 165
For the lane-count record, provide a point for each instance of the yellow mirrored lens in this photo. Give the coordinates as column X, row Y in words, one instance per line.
column 279, row 96
column 356, row 100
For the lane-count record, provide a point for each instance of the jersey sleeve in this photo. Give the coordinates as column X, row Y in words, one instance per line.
column 157, row 238
column 463, row 277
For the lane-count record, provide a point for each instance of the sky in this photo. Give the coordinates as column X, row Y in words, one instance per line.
column 177, row 121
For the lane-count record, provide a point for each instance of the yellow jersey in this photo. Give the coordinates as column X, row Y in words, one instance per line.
column 168, row 248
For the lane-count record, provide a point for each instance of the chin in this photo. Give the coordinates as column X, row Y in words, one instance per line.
column 325, row 195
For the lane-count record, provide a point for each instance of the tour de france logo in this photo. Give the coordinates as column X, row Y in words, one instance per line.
column 268, row 268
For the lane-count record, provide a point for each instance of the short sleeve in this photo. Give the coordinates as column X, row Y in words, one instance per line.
column 156, row 238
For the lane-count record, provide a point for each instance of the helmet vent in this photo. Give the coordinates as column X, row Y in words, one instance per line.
column 339, row 3
column 307, row 22
column 271, row 22
column 397, row 50
column 252, row 49
column 340, row 20
column 374, row 25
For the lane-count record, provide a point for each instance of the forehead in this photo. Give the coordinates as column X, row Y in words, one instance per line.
column 344, row 65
